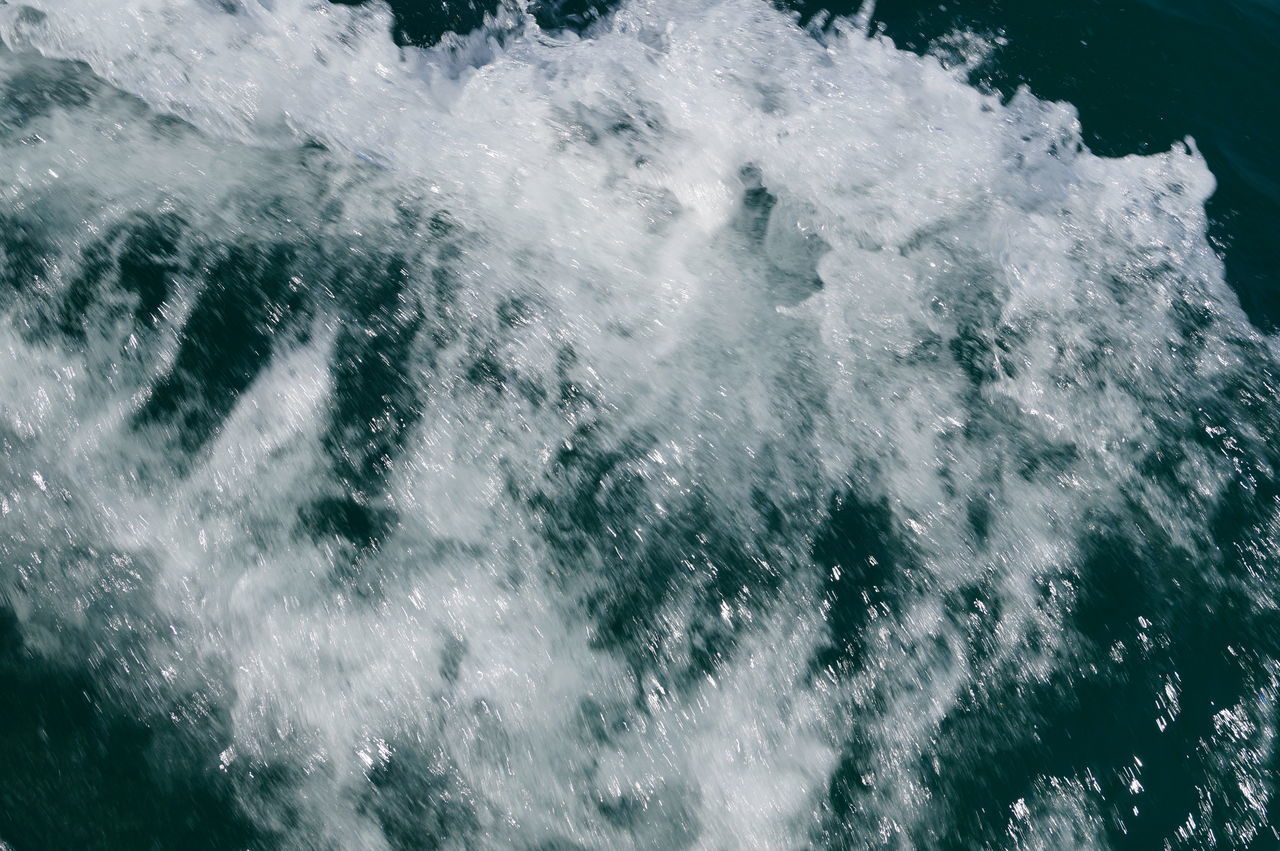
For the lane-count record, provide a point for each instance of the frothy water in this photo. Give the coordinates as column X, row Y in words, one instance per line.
column 702, row 432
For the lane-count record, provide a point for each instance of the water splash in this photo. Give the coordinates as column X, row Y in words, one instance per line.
column 708, row 433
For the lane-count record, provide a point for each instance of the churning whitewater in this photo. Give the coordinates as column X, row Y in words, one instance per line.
column 700, row 431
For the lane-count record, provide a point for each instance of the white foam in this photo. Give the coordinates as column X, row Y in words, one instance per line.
column 601, row 179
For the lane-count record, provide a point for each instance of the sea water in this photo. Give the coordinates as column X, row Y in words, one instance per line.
column 694, row 428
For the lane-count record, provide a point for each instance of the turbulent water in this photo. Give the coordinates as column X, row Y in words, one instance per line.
column 689, row 429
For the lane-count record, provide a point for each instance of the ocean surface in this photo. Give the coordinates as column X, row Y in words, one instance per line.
column 639, row 424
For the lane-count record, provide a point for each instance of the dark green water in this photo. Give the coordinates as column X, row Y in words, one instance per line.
column 525, row 445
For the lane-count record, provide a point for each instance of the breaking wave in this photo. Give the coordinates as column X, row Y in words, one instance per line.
column 701, row 431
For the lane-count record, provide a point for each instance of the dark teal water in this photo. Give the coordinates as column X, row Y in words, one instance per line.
column 1108, row 605
column 1144, row 75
